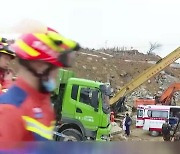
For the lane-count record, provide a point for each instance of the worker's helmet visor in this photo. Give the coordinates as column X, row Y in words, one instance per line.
column 67, row 58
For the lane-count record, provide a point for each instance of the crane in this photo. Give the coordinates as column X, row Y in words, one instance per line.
column 144, row 76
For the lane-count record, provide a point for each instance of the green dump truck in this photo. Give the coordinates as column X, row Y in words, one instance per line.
column 82, row 108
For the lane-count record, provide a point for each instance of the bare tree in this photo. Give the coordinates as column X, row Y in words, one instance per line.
column 153, row 46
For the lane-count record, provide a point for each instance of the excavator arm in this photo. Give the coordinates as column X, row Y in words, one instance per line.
column 146, row 75
column 166, row 96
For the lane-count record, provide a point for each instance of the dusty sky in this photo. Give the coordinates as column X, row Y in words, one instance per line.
column 103, row 23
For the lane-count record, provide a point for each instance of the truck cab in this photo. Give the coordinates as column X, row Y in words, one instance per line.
column 82, row 108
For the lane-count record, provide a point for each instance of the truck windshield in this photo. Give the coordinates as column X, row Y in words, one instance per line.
column 105, row 104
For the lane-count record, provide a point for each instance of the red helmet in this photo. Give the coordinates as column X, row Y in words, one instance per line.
column 50, row 47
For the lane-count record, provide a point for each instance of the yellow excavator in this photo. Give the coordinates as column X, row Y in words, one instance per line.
column 117, row 100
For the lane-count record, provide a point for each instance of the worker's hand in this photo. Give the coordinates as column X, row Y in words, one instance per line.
column 8, row 75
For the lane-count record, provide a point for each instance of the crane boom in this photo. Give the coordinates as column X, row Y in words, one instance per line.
column 147, row 74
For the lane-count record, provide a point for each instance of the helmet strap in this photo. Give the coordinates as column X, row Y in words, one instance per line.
column 42, row 77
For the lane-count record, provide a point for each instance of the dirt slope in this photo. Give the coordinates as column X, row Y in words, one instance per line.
column 120, row 67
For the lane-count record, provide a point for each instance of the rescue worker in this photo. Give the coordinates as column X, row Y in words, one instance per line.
column 26, row 113
column 6, row 75
column 123, row 125
column 176, row 128
column 166, row 128
column 128, row 122
column 3, row 40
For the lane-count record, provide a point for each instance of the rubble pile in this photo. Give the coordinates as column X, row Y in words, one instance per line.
column 164, row 80
column 141, row 92
column 177, row 97
column 118, row 67
column 119, row 137
column 116, row 129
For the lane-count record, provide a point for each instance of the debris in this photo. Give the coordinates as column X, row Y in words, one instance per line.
column 94, row 68
column 119, row 137
column 115, row 128
column 84, row 67
column 140, row 92
column 123, row 73
column 106, row 54
column 89, row 58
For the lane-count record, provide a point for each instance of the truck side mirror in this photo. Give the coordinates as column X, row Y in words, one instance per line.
column 105, row 89
column 94, row 100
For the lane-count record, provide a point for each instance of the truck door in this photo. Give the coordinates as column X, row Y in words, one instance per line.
column 139, row 118
column 85, row 110
column 146, row 119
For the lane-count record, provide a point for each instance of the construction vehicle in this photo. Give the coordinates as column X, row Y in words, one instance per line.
column 143, row 101
column 167, row 95
column 164, row 99
column 117, row 101
column 82, row 108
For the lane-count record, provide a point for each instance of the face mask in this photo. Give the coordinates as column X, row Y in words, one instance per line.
column 49, row 85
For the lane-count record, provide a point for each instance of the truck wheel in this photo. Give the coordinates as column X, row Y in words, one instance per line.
column 154, row 133
column 72, row 135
